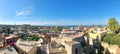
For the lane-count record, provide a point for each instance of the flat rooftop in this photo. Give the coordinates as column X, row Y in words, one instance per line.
column 8, row 51
column 25, row 45
column 56, row 50
column 72, row 42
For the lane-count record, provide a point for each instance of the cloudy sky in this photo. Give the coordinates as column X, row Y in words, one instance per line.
column 58, row 12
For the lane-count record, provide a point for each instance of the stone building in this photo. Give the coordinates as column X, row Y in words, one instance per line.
column 72, row 44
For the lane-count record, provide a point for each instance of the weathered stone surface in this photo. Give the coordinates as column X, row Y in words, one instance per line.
column 113, row 49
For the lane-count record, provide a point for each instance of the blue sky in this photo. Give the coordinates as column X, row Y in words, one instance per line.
column 58, row 12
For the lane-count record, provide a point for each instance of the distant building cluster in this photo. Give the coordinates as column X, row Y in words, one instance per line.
column 29, row 39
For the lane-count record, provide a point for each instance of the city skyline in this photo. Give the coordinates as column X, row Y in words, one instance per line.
column 58, row 12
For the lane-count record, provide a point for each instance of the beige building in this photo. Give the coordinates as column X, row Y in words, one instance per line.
column 8, row 50
column 96, row 34
column 112, row 49
column 71, row 43
column 27, row 47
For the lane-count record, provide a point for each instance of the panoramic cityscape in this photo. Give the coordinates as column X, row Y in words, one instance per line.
column 59, row 27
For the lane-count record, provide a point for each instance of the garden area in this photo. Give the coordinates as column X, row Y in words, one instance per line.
column 113, row 39
column 32, row 38
column 29, row 38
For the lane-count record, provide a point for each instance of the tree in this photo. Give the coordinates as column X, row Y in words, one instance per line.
column 58, row 28
column 112, row 39
column 113, row 25
column 5, row 29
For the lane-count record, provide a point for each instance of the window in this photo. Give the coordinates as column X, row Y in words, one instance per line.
column 76, row 51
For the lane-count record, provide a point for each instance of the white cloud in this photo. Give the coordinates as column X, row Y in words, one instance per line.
column 26, row 11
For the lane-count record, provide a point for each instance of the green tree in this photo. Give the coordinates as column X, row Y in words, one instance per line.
column 5, row 29
column 113, row 25
column 58, row 28
column 112, row 39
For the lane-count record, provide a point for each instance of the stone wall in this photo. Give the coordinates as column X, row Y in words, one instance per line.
column 33, row 50
column 113, row 49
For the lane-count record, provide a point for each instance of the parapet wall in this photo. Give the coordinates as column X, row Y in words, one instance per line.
column 113, row 49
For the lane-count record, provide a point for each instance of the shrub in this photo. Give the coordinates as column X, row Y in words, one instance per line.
column 32, row 38
column 112, row 39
